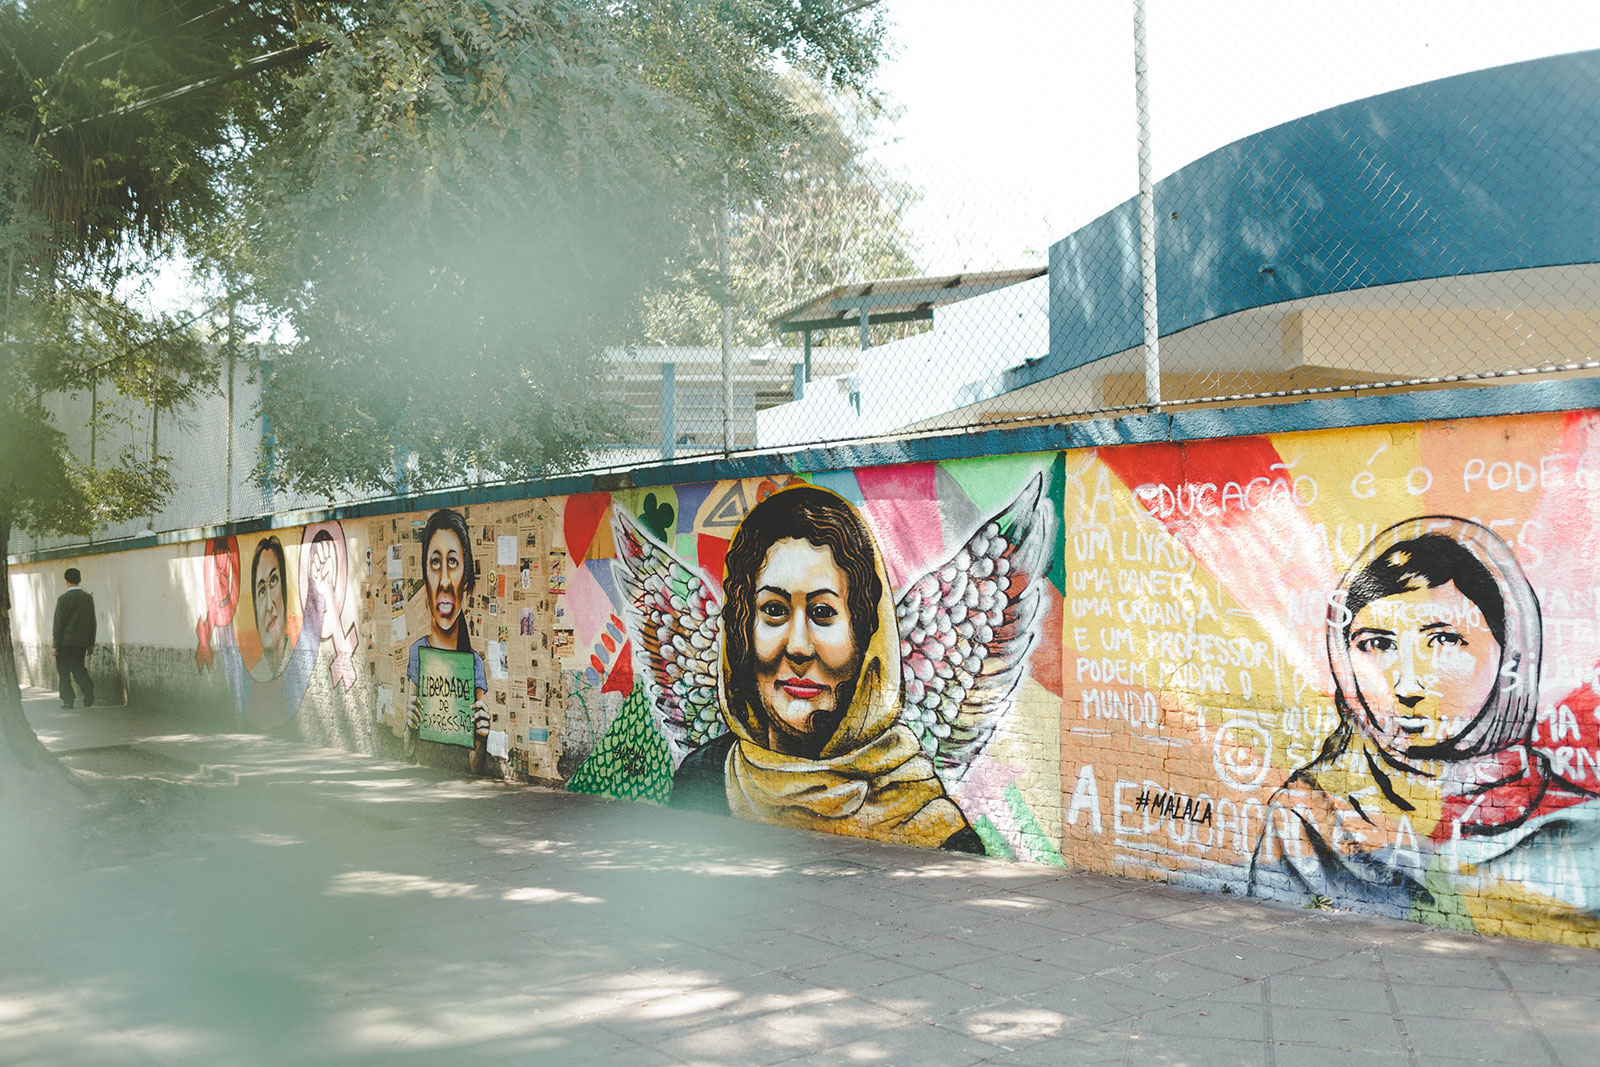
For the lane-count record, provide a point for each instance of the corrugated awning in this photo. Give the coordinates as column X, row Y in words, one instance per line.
column 894, row 299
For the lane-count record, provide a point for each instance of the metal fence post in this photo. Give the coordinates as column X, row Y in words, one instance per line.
column 669, row 409
column 1147, row 216
column 726, row 330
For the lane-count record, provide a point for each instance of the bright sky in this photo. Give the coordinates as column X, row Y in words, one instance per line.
column 1019, row 119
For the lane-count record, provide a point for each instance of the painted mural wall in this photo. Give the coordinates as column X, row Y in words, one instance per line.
column 1354, row 668
column 280, row 612
column 873, row 653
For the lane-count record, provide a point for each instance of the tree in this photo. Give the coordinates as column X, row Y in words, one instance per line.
column 112, row 118
column 466, row 202
column 834, row 216
column 455, row 202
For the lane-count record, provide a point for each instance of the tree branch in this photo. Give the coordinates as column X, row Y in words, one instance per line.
column 281, row 57
column 851, row 10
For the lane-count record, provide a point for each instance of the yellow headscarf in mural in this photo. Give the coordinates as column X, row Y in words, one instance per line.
column 870, row 777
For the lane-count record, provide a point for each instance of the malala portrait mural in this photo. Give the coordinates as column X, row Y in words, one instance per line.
column 1433, row 648
column 1353, row 669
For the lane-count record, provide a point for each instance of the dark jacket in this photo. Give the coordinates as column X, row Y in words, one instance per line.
column 74, row 624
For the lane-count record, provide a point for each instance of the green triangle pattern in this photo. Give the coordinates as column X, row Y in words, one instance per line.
column 994, row 842
column 631, row 760
column 1040, row 849
column 1058, row 502
column 1448, row 908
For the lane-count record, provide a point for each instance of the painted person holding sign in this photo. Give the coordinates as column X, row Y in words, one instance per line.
column 447, row 677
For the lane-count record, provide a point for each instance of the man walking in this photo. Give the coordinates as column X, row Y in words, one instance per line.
column 74, row 636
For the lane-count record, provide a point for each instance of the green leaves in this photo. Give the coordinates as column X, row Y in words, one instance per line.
column 75, row 339
column 467, row 201
column 135, row 484
column 456, row 204
column 829, row 217
column 117, row 121
column 39, row 487
column 85, row 85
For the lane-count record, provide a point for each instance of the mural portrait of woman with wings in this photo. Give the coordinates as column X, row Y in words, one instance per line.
column 812, row 697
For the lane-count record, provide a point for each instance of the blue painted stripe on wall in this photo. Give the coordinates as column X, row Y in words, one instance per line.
column 1184, row 425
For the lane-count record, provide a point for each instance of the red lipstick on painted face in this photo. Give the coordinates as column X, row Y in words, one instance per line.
column 801, row 688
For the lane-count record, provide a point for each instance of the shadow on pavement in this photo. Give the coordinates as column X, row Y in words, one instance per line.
column 229, row 898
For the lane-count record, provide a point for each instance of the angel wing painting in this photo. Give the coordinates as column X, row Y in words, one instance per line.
column 806, row 694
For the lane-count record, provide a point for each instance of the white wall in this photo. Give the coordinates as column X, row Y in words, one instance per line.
column 152, row 596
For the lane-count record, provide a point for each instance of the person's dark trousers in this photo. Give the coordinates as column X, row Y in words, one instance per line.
column 69, row 664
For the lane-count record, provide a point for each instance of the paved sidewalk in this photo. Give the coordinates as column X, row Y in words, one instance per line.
column 254, row 901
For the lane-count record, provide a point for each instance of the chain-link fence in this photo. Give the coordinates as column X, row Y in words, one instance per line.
column 211, row 446
column 1335, row 209
column 1439, row 232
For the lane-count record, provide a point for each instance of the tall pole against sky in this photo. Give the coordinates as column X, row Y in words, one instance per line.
column 726, row 325
column 1147, row 215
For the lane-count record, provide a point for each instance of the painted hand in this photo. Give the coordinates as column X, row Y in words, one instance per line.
column 323, row 562
column 414, row 720
column 480, row 720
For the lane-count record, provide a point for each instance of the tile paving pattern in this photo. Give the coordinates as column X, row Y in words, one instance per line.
column 239, row 899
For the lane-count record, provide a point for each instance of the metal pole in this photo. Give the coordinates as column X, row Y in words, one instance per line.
column 1147, row 216
column 669, row 410
column 727, row 322
column 155, row 448
column 233, row 352
column 866, row 338
column 807, row 335
column 269, row 439
column 94, row 435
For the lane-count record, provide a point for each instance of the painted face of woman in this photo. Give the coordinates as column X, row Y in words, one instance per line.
column 1425, row 662
column 804, row 647
column 269, row 606
column 443, row 573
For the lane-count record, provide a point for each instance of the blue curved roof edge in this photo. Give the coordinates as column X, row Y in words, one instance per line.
column 1487, row 171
